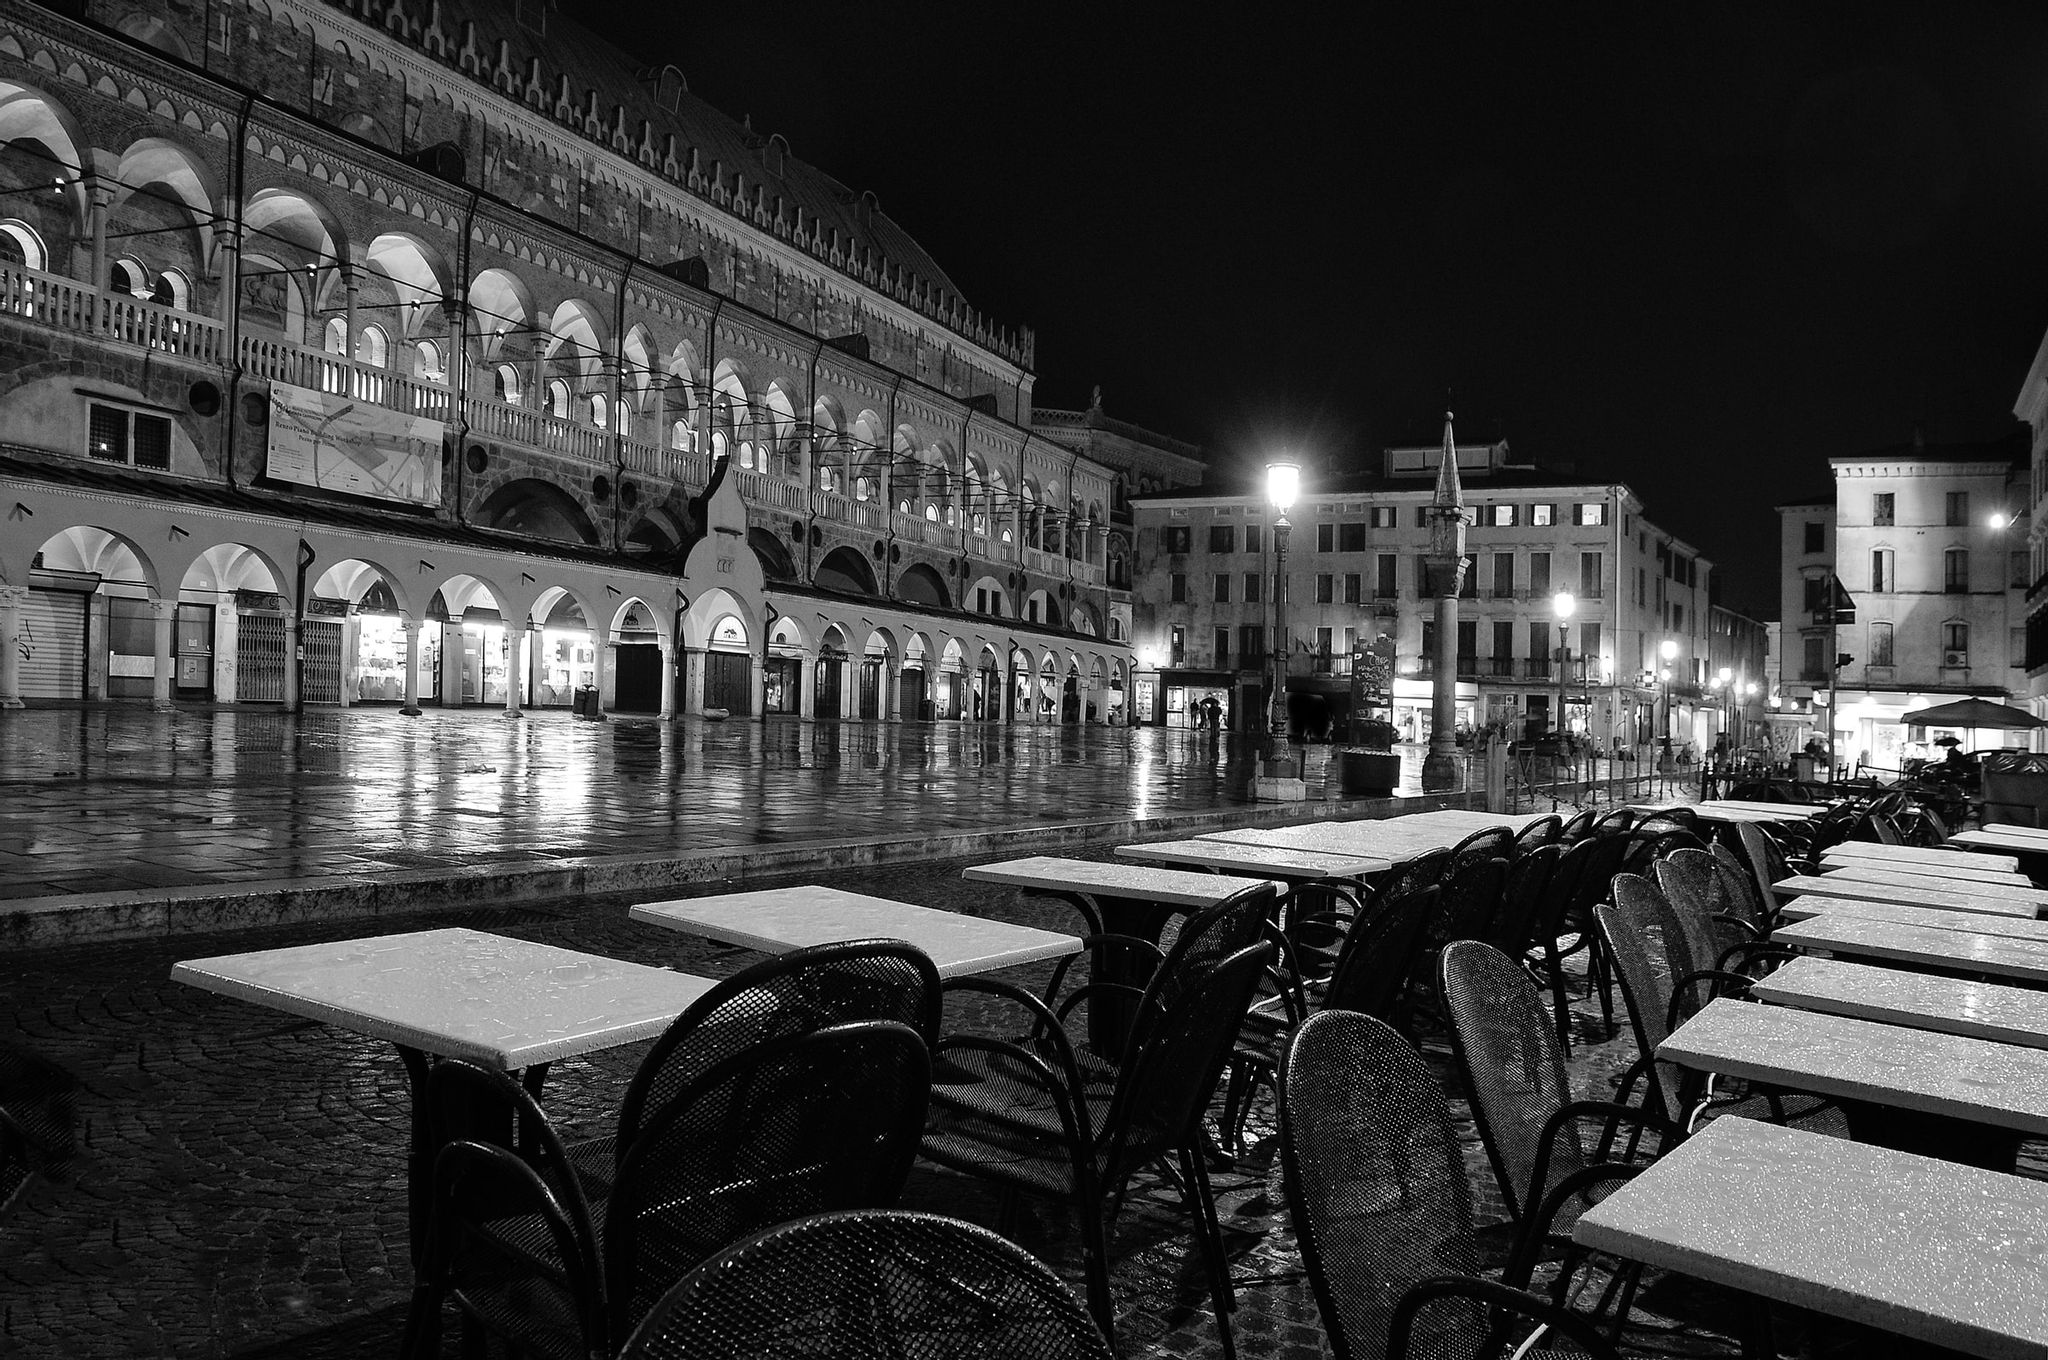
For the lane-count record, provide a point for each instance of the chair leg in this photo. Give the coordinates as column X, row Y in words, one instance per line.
column 1209, row 1239
column 1095, row 1260
column 422, row 1336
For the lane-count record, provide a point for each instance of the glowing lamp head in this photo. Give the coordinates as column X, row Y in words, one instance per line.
column 1668, row 648
column 1999, row 519
column 1563, row 604
column 1283, row 481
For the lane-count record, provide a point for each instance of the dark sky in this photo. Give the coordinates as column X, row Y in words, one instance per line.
column 1699, row 248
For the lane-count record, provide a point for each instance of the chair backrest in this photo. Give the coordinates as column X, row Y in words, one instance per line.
column 800, row 1125
column 1426, row 870
column 1469, row 901
column 540, row 1289
column 1521, row 901
column 465, row 1102
column 1882, row 829
column 1165, row 1081
column 1601, row 864
column 1578, row 826
column 1538, row 833
column 1562, row 891
column 1738, row 886
column 1489, row 843
column 1615, row 822
column 1766, row 862
column 1507, row 1050
column 920, row 1285
column 1372, row 970
column 796, row 993
column 1688, row 944
column 1375, row 1183
column 1643, row 971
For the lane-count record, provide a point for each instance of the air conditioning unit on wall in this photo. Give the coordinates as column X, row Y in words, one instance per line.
column 1955, row 658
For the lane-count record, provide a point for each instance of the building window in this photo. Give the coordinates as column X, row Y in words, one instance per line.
column 1252, row 594
column 1542, row 514
column 1178, row 645
column 1178, row 537
column 1222, row 648
column 334, row 337
column 1502, row 516
column 1958, row 508
column 1351, row 537
column 1251, row 644
column 1594, row 512
column 115, row 435
column 1223, row 587
column 1883, row 580
column 1955, row 644
column 1503, row 575
column 426, row 361
column 1382, row 516
column 1880, row 644
column 505, row 384
column 1323, row 641
column 1539, row 574
column 1387, row 586
column 1590, row 586
column 1955, row 571
column 1503, row 648
column 1326, row 592
column 1177, row 590
column 1254, row 536
column 1352, row 585
column 1589, row 646
column 1817, row 535
column 1422, row 517
column 1222, row 538
column 371, row 347
column 1881, row 504
column 1326, row 537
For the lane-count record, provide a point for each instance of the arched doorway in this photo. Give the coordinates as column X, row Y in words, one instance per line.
column 831, row 671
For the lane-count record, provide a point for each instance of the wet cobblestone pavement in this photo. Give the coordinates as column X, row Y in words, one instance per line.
column 100, row 799
column 235, row 1185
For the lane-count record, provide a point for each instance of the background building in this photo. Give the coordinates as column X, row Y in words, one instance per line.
column 444, row 352
column 1928, row 541
column 1204, row 585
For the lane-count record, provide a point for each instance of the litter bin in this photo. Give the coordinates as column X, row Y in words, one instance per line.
column 584, row 702
column 1802, row 767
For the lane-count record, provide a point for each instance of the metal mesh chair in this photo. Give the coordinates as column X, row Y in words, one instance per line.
column 883, row 1284
column 795, row 1126
column 1738, row 886
column 1643, row 969
column 1514, row 1072
column 1375, row 1184
column 1766, row 862
column 1030, row 1121
column 1542, row 831
column 1493, row 842
column 538, row 1288
column 1465, row 1319
column 1693, row 881
column 1577, row 826
column 1529, row 876
column 796, row 993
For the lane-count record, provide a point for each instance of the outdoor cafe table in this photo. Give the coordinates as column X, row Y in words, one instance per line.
column 1393, row 839
column 1933, row 857
column 1981, row 1010
column 2011, row 840
column 1970, row 923
column 1973, row 953
column 778, row 920
column 1267, row 861
column 1742, row 812
column 1965, row 879
column 1945, row 1095
column 455, row 993
column 1906, row 892
column 1944, row 1254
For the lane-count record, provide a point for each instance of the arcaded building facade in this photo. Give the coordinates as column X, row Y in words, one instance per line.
column 439, row 352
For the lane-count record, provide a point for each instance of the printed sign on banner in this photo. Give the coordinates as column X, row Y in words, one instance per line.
column 341, row 443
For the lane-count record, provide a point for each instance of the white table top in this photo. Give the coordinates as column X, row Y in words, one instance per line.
column 459, row 993
column 1931, row 945
column 1969, row 923
column 1990, row 882
column 1936, row 1251
column 1921, row 854
column 1799, row 810
column 1106, row 878
column 2002, row 1085
column 2019, row 839
column 1471, row 818
column 1904, row 891
column 1268, row 861
column 778, row 920
column 1374, row 840
column 1982, row 1010
column 1720, row 811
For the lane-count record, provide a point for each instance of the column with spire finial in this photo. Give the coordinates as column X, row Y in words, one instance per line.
column 1444, row 565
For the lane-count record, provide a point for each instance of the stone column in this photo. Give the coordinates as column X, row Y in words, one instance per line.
column 601, row 649
column 515, row 670
column 165, row 618
column 102, row 198
column 350, row 286
column 890, row 709
column 411, row 707
column 227, row 268
column 12, row 598
column 668, row 681
column 291, row 663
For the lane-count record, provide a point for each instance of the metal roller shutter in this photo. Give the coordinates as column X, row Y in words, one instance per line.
column 53, row 645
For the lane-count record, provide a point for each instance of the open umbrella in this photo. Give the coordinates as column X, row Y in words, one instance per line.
column 1972, row 714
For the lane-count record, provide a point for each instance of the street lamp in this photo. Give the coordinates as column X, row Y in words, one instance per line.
column 1564, row 606
column 1668, row 650
column 1283, row 480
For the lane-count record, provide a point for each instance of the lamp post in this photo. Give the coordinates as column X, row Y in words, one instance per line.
column 1283, row 480
column 1564, row 606
column 1668, row 650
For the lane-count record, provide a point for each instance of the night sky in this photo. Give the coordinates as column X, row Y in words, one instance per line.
column 1698, row 248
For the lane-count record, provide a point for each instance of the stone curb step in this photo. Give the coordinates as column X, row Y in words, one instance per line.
column 48, row 922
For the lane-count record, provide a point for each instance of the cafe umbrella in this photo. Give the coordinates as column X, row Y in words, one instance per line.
column 1972, row 715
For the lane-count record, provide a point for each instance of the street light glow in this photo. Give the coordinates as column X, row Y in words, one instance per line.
column 1999, row 519
column 1283, row 480
column 1668, row 649
column 1563, row 605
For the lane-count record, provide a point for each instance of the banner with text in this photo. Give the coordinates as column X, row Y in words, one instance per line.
column 341, row 443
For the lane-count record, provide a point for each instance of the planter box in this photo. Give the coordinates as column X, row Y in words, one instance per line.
column 1368, row 774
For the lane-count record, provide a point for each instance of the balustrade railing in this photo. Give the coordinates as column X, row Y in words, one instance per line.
column 69, row 305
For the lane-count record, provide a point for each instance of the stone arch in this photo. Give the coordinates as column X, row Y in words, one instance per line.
column 655, row 534
column 701, row 621
column 776, row 562
column 921, row 585
column 151, row 31
column 1083, row 618
column 634, row 610
column 846, row 571
column 503, row 306
column 995, row 593
column 416, row 277
column 1041, row 606
column 106, row 553
column 43, row 143
column 354, row 578
column 777, row 448
column 730, row 419
column 542, row 509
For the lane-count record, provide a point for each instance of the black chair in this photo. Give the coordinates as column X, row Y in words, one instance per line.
column 1577, row 826
column 1030, row 1121
column 512, row 1258
column 1766, row 861
column 1450, row 1318
column 1529, row 876
column 1615, row 822
column 1371, row 978
column 1543, row 831
column 1692, row 880
column 800, row 992
column 1493, row 842
column 1514, row 1073
column 1468, row 903
column 1376, row 1186
column 884, row 1284
column 805, row 1124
